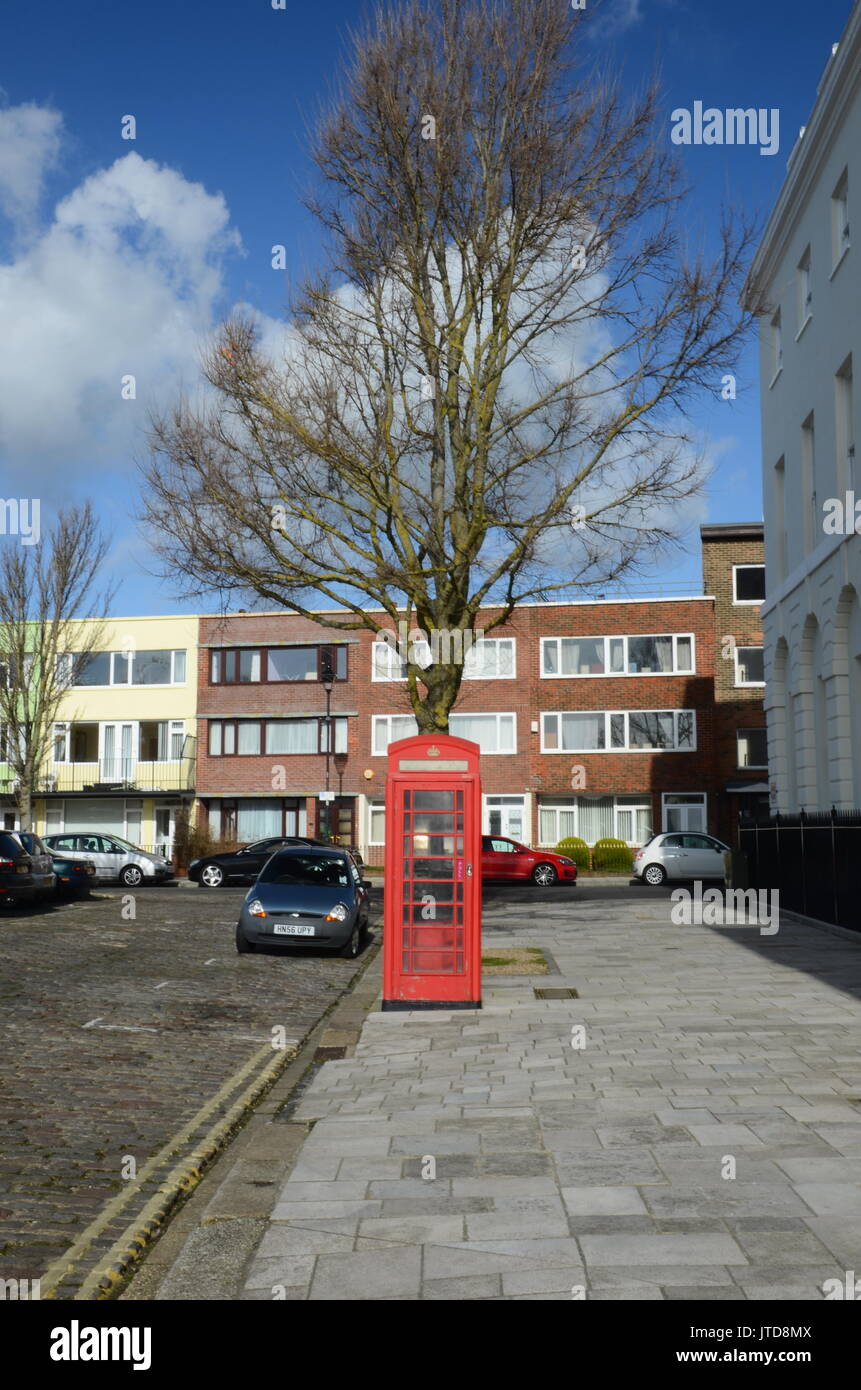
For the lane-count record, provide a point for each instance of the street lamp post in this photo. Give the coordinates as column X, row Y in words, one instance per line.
column 328, row 681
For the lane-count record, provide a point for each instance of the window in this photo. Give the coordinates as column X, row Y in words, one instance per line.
column 805, row 293
column 388, row 728
column 668, row 654
column 122, row 668
column 377, row 823
column 386, row 663
column 845, row 421
column 776, row 347
column 494, row 733
column 684, row 810
column 750, row 666
column 251, row 737
column 752, row 748
column 276, row 665
column 809, row 517
column 840, row 220
column 592, row 818
column 779, row 538
column 603, row 731
column 748, row 583
column 490, row 658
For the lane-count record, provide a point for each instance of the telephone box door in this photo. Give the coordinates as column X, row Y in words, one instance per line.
column 433, row 889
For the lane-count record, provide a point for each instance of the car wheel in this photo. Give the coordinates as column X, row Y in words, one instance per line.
column 544, row 875
column 351, row 948
column 655, row 874
column 131, row 875
column 211, row 876
column 243, row 947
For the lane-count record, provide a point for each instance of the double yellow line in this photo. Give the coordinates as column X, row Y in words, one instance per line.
column 182, row 1178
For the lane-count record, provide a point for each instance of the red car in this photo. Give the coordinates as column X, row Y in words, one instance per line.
column 506, row 859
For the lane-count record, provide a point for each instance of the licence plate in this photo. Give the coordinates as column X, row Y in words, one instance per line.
column 282, row 929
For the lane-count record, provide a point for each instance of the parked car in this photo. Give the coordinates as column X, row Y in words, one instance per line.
column 243, row 865
column 42, row 865
column 116, row 860
column 17, row 884
column 74, row 877
column 507, row 859
column 676, row 855
column 306, row 896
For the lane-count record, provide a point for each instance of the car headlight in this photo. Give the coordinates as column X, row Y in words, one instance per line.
column 256, row 908
column 338, row 913
column 565, row 861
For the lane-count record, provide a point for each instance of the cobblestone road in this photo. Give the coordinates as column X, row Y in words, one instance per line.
column 116, row 1034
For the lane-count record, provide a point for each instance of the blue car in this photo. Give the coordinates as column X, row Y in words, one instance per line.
column 306, row 896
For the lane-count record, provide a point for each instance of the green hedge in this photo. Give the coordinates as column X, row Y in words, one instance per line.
column 613, row 856
column 575, row 849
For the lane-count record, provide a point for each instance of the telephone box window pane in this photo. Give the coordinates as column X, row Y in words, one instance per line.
column 425, row 821
column 440, row 844
column 434, row 801
column 405, row 963
column 406, row 799
column 433, row 868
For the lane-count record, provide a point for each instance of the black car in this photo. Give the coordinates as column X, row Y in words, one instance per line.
column 74, row 876
column 243, row 865
column 313, row 896
column 17, row 884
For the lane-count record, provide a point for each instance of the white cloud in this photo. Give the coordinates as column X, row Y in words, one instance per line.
column 613, row 17
column 29, row 146
column 125, row 279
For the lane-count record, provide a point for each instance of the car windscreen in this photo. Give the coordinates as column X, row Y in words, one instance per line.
column 325, row 870
column 10, row 845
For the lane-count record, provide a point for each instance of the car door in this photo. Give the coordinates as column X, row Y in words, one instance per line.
column 673, row 856
column 107, row 865
column 705, row 856
column 497, row 859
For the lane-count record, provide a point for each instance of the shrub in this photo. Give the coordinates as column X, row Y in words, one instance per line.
column 194, row 841
column 575, row 849
column 613, row 856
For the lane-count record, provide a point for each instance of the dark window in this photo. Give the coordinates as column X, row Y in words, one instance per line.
column 95, row 670
column 749, row 583
column 277, row 665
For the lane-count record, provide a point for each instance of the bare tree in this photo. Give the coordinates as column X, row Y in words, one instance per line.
column 481, row 399
column 45, row 592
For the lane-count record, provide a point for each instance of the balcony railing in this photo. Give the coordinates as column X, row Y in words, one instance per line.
column 119, row 774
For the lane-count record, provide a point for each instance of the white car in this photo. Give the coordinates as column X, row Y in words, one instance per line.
column 676, row 855
column 116, row 860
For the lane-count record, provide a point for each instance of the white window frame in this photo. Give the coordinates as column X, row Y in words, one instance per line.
column 628, row 748
column 705, row 804
column 748, row 646
column 751, row 729
column 394, row 660
column 490, row 714
column 377, row 719
column 625, row 673
column 114, row 664
column 572, row 804
column 376, row 803
column 398, row 667
column 746, row 602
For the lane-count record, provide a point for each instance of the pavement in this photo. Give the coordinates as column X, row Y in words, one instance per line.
column 686, row 1125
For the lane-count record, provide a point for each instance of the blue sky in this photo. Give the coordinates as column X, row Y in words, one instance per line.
column 117, row 257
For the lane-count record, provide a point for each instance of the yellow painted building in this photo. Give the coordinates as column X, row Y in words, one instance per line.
column 123, row 755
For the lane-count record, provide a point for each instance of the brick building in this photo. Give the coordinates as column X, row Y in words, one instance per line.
column 595, row 718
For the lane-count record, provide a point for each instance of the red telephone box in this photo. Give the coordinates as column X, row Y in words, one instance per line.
column 432, row 920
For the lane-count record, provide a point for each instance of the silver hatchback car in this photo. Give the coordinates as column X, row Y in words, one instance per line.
column 686, row 856
column 116, row 860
